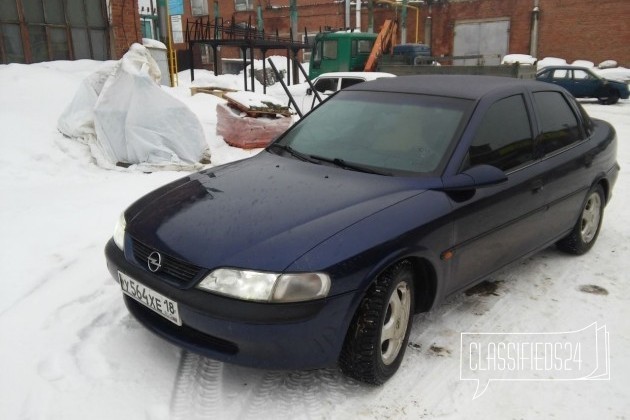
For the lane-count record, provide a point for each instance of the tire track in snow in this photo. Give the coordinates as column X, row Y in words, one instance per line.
column 205, row 388
column 198, row 391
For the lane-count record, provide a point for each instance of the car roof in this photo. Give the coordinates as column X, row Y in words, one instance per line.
column 564, row 67
column 367, row 75
column 456, row 86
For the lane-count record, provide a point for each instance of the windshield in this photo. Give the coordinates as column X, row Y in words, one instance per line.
column 387, row 132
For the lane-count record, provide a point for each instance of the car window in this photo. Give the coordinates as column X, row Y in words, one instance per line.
column 504, row 137
column 347, row 82
column 330, row 50
column 396, row 132
column 560, row 74
column 582, row 75
column 361, row 46
column 559, row 123
column 326, row 84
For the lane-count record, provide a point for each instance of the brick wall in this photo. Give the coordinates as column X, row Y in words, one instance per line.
column 584, row 29
column 124, row 26
column 570, row 29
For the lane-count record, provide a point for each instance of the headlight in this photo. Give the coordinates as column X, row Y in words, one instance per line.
column 119, row 232
column 266, row 287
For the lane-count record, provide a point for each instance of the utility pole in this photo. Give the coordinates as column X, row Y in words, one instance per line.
column 403, row 22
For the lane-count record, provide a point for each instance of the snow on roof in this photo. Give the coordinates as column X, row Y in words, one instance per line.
column 583, row 63
column 518, row 58
column 551, row 61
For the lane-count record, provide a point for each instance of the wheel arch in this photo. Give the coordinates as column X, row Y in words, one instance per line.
column 425, row 280
column 606, row 187
column 425, row 283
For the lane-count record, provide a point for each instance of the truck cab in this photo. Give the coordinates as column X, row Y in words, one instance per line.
column 340, row 51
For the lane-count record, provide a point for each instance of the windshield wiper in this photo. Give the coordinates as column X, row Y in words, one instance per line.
column 295, row 153
column 352, row 166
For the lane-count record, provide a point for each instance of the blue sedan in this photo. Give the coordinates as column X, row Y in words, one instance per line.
column 383, row 201
column 583, row 83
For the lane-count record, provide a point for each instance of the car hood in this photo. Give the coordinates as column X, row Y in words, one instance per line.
column 260, row 213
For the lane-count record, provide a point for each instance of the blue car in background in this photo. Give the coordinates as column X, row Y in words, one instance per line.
column 584, row 83
column 377, row 205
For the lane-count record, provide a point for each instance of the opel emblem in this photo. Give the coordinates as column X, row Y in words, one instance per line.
column 154, row 262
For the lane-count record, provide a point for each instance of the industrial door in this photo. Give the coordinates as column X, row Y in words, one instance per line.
column 487, row 38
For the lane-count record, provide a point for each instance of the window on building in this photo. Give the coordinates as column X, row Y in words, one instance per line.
column 504, row 137
column 559, row 124
column 199, row 7
column 36, row 30
column 241, row 5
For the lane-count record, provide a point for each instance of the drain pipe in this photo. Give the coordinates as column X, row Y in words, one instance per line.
column 357, row 19
column 347, row 14
column 533, row 42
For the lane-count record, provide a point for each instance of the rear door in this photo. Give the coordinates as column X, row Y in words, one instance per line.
column 585, row 84
column 495, row 225
column 565, row 159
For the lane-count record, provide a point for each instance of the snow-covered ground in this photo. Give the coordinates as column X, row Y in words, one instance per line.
column 70, row 350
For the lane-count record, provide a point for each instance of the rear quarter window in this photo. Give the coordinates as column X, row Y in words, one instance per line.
column 347, row 82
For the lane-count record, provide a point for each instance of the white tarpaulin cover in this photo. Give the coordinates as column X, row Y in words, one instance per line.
column 124, row 115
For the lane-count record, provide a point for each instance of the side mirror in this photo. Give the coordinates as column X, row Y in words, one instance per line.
column 476, row 177
column 309, row 92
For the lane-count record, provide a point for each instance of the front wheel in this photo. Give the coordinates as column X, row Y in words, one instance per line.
column 376, row 341
column 586, row 230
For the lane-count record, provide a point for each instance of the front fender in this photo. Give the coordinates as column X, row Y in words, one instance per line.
column 416, row 227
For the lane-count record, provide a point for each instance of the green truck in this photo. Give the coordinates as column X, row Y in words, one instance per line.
column 344, row 51
column 340, row 51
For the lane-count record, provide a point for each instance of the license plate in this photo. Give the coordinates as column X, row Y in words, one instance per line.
column 150, row 298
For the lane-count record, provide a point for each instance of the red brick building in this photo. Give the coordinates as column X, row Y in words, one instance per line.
column 41, row 30
column 570, row 29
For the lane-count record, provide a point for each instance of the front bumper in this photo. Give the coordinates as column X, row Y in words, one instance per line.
column 305, row 335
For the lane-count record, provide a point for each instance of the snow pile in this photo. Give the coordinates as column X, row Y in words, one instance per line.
column 620, row 73
column 583, row 63
column 254, row 100
column 608, row 64
column 126, row 118
column 518, row 58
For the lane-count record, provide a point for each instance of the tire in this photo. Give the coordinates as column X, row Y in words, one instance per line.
column 613, row 97
column 586, row 229
column 377, row 338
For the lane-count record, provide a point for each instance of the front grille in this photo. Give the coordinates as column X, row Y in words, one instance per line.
column 178, row 270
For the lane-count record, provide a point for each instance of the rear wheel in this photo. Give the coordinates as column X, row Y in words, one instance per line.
column 586, row 230
column 613, row 97
column 376, row 341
